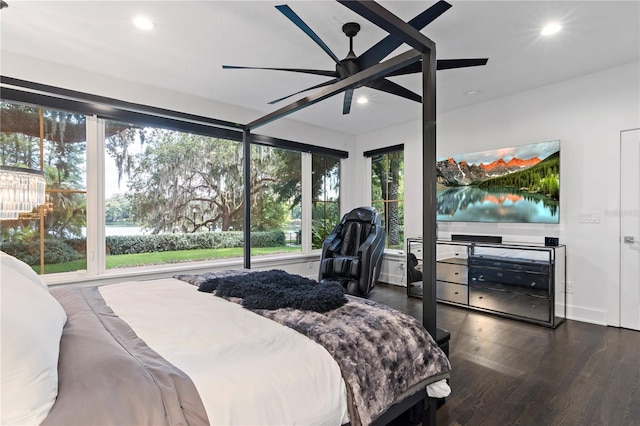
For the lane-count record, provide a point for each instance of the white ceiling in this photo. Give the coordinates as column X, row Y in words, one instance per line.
column 193, row 39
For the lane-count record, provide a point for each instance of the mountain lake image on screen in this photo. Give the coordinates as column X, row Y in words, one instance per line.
column 518, row 184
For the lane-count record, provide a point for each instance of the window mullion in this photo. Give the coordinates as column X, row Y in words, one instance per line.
column 96, row 256
column 306, row 202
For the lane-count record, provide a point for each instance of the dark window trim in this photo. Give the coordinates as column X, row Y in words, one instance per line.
column 297, row 146
column 113, row 109
column 385, row 150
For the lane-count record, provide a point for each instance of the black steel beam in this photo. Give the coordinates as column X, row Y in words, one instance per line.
column 378, row 15
column 353, row 81
column 104, row 106
column 246, row 177
column 429, row 303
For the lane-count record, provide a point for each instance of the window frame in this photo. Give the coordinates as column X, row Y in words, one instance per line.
column 96, row 110
column 370, row 155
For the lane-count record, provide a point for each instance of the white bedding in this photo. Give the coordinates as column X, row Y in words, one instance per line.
column 247, row 368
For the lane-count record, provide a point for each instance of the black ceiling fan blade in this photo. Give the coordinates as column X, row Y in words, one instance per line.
column 388, row 86
column 346, row 105
column 326, row 83
column 442, row 64
column 409, row 69
column 300, row 70
column 384, row 47
column 293, row 17
column 447, row 64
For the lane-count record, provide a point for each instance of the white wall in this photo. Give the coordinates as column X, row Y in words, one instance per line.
column 586, row 114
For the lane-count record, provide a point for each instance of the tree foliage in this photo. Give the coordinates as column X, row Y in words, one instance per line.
column 388, row 186
column 186, row 183
column 543, row 178
column 117, row 208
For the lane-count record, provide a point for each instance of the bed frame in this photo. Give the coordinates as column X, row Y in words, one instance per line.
column 424, row 49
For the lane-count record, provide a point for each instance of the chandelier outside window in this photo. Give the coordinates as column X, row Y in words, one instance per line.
column 21, row 190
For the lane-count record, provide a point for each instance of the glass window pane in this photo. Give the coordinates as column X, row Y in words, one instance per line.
column 326, row 197
column 387, row 194
column 54, row 142
column 174, row 196
column 276, row 196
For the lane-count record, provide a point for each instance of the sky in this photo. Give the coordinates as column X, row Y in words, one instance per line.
column 524, row 152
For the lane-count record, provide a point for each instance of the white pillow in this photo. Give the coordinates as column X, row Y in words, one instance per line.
column 17, row 266
column 31, row 327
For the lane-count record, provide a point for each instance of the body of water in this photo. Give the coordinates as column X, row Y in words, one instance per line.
column 472, row 204
column 123, row 230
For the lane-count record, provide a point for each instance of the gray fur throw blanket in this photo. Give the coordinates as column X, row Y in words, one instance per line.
column 273, row 289
column 384, row 355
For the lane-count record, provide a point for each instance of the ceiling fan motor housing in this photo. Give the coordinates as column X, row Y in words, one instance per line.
column 350, row 29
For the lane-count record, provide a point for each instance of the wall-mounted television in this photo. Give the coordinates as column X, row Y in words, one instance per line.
column 519, row 184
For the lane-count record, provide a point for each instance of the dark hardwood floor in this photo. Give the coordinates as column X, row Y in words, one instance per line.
column 507, row 372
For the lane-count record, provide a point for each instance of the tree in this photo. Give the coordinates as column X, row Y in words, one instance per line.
column 117, row 146
column 117, row 208
column 388, row 170
column 185, row 182
column 325, row 183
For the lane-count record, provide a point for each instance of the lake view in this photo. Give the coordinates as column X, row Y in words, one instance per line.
column 472, row 204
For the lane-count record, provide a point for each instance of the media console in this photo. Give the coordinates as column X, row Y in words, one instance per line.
column 519, row 281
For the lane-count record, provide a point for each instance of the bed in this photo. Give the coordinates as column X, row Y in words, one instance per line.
column 163, row 352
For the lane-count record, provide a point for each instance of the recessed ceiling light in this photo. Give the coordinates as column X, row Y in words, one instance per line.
column 362, row 100
column 143, row 23
column 551, row 28
column 471, row 92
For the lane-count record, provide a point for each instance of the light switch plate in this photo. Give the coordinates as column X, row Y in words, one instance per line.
column 589, row 217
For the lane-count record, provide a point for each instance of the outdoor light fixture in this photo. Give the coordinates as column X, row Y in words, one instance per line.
column 21, row 190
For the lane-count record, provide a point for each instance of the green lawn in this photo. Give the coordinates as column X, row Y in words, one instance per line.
column 178, row 256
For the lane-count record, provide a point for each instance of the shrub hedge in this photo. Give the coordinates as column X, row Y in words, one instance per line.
column 129, row 244
column 55, row 251
column 67, row 250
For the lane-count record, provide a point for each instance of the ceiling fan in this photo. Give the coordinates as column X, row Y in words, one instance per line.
column 353, row 64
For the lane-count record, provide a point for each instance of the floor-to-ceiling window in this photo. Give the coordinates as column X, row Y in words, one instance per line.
column 325, row 197
column 167, row 194
column 276, row 194
column 50, row 238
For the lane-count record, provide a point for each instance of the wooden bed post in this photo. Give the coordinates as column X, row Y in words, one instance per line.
column 246, row 174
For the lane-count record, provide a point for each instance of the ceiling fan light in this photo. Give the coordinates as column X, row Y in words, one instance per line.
column 551, row 28
column 143, row 23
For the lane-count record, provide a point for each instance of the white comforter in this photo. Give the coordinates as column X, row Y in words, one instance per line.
column 247, row 368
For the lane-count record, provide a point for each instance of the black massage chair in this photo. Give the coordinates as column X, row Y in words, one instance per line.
column 352, row 253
